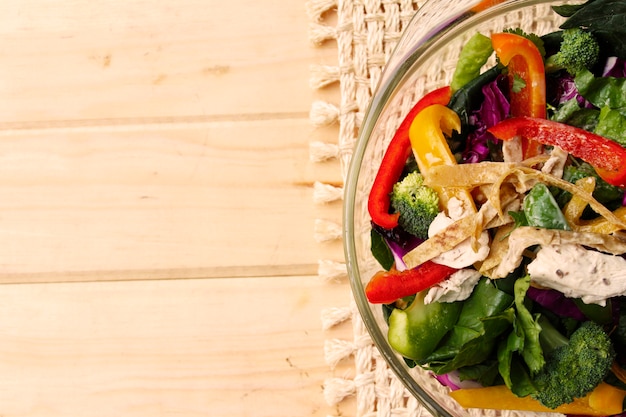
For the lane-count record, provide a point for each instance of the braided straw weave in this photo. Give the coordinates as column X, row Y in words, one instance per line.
column 366, row 33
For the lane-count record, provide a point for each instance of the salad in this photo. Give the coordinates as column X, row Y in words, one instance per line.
column 499, row 221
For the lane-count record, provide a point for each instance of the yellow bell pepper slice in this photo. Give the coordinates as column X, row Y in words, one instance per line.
column 607, row 399
column 604, row 400
column 602, row 225
column 430, row 148
column 574, row 208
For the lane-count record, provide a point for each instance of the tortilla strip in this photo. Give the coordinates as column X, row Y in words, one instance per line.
column 470, row 176
column 471, row 226
column 474, row 175
column 537, row 160
column 524, row 178
column 601, row 225
column 459, row 231
column 574, row 209
column 467, row 175
column 500, row 242
column 509, row 182
column 499, row 249
column 523, row 237
column 506, row 197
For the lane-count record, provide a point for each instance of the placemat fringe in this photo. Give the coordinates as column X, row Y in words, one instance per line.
column 321, row 151
column 337, row 389
column 366, row 32
column 318, row 34
column 336, row 350
column 323, row 113
column 316, row 8
column 329, row 270
column 326, row 230
column 326, row 193
column 323, row 75
column 334, row 316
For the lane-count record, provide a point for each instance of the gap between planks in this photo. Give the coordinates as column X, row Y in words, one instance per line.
column 246, row 271
column 139, row 123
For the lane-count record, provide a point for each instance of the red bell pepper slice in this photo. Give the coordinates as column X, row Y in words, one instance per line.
column 606, row 156
column 393, row 162
column 385, row 287
column 524, row 61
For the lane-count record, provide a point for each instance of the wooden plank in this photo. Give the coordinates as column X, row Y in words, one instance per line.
column 160, row 201
column 219, row 347
column 115, row 59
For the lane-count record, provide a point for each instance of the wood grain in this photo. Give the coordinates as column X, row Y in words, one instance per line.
column 238, row 347
column 113, row 59
column 159, row 201
column 156, row 210
column 152, row 140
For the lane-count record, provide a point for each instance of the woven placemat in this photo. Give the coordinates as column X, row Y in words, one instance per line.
column 365, row 32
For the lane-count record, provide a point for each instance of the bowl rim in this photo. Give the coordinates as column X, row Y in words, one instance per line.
column 385, row 90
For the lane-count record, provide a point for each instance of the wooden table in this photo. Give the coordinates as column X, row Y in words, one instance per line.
column 156, row 211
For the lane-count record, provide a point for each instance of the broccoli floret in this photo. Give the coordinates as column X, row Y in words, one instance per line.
column 574, row 366
column 417, row 204
column 579, row 50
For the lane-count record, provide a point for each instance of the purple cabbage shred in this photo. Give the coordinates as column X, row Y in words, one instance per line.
column 494, row 108
column 453, row 381
column 398, row 251
column 614, row 67
column 556, row 302
column 566, row 90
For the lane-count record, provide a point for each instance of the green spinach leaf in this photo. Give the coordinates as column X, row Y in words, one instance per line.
column 567, row 10
column 519, row 218
column 612, row 124
column 485, row 373
column 520, row 356
column 381, row 251
column 602, row 91
column 565, row 110
column 486, row 314
column 531, row 349
column 586, row 119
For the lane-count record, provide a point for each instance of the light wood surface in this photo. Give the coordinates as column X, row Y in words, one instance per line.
column 156, row 211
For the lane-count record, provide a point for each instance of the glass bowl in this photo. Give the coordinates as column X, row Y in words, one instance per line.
column 423, row 60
